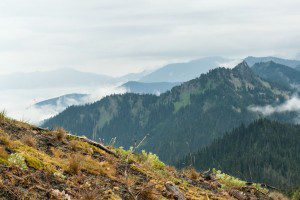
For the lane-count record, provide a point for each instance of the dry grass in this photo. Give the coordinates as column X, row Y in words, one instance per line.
column 57, row 153
column 81, row 146
column 3, row 153
column 147, row 192
column 60, row 134
column 277, row 196
column 191, row 173
column 74, row 164
column 90, row 195
column 5, row 138
column 29, row 141
column 2, row 115
column 74, row 145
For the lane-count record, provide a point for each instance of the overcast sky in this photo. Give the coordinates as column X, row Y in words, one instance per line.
column 121, row 36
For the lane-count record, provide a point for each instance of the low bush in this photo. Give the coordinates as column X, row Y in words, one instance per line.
column 17, row 160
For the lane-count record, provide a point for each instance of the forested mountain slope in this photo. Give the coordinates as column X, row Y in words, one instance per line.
column 265, row 151
column 188, row 117
column 277, row 73
column 148, row 88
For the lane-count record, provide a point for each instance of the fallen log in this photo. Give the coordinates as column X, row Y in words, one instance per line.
column 96, row 144
column 84, row 139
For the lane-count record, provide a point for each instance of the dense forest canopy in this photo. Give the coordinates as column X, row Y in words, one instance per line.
column 265, row 151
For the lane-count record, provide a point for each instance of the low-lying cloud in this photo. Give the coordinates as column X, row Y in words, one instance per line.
column 20, row 104
column 290, row 105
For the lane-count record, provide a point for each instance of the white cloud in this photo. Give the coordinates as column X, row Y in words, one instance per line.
column 19, row 104
column 116, row 36
column 292, row 104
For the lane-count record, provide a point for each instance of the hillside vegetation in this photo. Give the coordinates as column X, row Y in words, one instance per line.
column 265, row 151
column 180, row 121
column 41, row 164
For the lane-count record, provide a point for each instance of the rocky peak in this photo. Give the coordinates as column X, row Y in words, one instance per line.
column 244, row 70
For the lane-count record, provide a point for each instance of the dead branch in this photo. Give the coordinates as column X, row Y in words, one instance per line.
column 96, row 144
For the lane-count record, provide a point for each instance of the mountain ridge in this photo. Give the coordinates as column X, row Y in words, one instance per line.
column 185, row 71
column 251, row 60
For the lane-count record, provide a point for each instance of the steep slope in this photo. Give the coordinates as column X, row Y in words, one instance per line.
column 277, row 73
column 180, row 72
column 148, row 88
column 265, row 151
column 186, row 118
column 291, row 63
column 43, row 164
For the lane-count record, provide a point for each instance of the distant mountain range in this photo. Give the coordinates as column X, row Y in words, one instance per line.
column 290, row 63
column 148, row 88
column 182, row 120
column 132, row 76
column 65, row 77
column 177, row 72
column 181, row 72
column 265, row 152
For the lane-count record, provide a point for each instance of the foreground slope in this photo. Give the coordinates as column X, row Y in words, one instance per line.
column 40, row 164
column 177, row 122
column 265, row 151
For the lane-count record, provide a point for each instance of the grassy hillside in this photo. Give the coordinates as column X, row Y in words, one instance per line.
column 40, row 164
column 265, row 151
column 188, row 117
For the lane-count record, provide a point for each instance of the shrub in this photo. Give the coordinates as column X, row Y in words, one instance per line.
column 74, row 164
column 61, row 134
column 4, row 138
column 17, row 160
column 57, row 153
column 191, row 173
column 296, row 195
column 277, row 196
column 228, row 181
column 3, row 153
column 152, row 160
column 29, row 141
column 147, row 192
column 59, row 175
column 2, row 115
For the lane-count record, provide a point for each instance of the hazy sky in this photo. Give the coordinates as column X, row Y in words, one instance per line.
column 120, row 36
